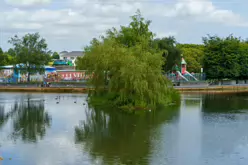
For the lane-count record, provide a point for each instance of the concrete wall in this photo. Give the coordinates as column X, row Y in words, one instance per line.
column 194, row 83
column 241, row 81
column 67, row 67
column 228, row 82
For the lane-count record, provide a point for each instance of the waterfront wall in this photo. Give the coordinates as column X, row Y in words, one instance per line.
column 209, row 89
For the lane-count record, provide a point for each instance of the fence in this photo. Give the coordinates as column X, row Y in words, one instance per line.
column 8, row 76
column 188, row 78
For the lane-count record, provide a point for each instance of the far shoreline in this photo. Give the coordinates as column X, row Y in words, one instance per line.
column 84, row 90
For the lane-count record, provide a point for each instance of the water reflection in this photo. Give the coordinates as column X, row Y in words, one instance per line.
column 29, row 119
column 205, row 129
column 189, row 131
column 121, row 138
column 222, row 103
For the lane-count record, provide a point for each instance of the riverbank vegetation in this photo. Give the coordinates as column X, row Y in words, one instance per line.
column 128, row 68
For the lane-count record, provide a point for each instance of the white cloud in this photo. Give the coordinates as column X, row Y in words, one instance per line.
column 204, row 11
column 27, row 2
column 81, row 20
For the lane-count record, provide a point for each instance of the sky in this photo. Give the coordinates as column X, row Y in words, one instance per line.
column 71, row 24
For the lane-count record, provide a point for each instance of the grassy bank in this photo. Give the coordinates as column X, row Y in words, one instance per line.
column 217, row 89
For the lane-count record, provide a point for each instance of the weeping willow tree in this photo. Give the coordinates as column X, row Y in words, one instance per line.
column 127, row 70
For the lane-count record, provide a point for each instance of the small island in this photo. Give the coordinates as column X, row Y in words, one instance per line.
column 127, row 68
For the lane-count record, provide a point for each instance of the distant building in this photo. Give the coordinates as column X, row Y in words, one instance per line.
column 72, row 56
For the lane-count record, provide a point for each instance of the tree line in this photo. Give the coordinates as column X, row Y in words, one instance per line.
column 220, row 57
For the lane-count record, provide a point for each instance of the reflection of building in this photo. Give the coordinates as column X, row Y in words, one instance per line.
column 72, row 56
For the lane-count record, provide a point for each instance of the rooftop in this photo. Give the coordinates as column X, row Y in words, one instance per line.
column 71, row 54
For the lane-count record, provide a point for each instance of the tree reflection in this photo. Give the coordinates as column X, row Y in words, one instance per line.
column 29, row 120
column 120, row 138
column 219, row 103
column 4, row 117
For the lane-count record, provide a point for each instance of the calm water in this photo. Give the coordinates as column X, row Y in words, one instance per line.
column 204, row 129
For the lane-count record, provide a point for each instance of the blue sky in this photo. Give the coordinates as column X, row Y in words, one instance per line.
column 71, row 24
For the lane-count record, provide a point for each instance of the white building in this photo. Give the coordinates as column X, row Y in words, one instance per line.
column 72, row 56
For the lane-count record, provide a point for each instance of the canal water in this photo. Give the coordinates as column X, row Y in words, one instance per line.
column 60, row 129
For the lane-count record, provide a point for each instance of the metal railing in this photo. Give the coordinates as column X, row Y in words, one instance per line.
column 177, row 78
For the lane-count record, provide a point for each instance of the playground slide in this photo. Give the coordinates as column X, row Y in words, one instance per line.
column 182, row 76
column 191, row 75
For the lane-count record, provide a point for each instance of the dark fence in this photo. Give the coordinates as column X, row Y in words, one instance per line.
column 186, row 78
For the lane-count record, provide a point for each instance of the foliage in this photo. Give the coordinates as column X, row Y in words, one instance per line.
column 170, row 52
column 55, row 55
column 11, row 52
column 125, row 67
column 222, row 57
column 5, row 58
column 31, row 51
column 243, row 60
column 137, row 32
column 193, row 55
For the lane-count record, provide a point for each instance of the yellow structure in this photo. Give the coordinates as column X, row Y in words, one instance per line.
column 50, row 63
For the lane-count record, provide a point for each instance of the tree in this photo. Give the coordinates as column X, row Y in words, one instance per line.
column 126, row 69
column 55, row 55
column 2, row 58
column 5, row 58
column 193, row 54
column 31, row 52
column 12, row 52
column 221, row 57
column 1, row 50
column 170, row 52
column 137, row 32
column 243, row 61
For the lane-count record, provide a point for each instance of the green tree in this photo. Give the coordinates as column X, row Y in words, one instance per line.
column 1, row 50
column 2, row 58
column 55, row 55
column 5, row 58
column 131, row 69
column 137, row 32
column 32, row 52
column 170, row 52
column 243, row 60
column 11, row 52
column 193, row 54
column 221, row 57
